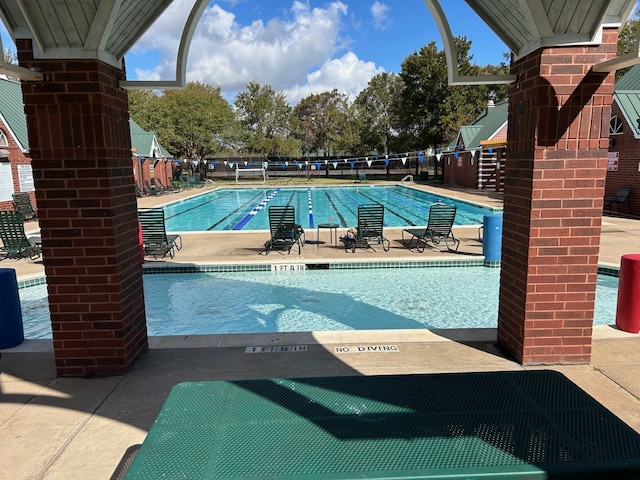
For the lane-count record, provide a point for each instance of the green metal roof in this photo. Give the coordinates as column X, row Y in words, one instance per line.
column 627, row 95
column 143, row 142
column 468, row 133
column 483, row 127
column 630, row 81
column 12, row 112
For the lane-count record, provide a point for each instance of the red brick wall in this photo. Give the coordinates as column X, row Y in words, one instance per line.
column 16, row 157
column 628, row 174
column 460, row 172
column 137, row 172
column 79, row 135
column 559, row 116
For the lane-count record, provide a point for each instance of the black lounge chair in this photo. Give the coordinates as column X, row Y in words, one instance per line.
column 618, row 199
column 22, row 204
column 439, row 228
column 155, row 240
column 285, row 232
column 150, row 189
column 370, row 227
column 165, row 188
column 15, row 243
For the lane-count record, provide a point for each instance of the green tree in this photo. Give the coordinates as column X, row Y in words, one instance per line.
column 424, row 77
column 264, row 115
column 8, row 56
column 194, row 122
column 627, row 39
column 322, row 123
column 375, row 107
column 145, row 108
column 430, row 110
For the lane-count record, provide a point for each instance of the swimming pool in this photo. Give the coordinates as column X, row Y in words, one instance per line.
column 246, row 208
column 316, row 300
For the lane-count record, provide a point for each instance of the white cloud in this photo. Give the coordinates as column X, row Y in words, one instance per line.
column 379, row 12
column 280, row 52
column 347, row 74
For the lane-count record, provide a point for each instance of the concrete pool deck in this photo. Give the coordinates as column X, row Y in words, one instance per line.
column 67, row 428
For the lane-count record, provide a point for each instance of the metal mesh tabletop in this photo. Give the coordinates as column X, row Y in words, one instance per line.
column 534, row 424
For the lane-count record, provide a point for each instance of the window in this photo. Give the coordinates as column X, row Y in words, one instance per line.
column 615, row 126
column 3, row 140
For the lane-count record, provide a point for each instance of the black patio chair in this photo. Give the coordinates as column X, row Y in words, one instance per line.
column 439, row 228
column 621, row 197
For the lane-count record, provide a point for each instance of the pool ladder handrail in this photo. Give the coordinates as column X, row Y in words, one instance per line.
column 407, row 177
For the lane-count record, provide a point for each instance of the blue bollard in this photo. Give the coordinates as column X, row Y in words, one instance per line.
column 492, row 238
column 11, row 330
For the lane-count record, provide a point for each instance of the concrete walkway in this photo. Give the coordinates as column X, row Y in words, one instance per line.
column 75, row 428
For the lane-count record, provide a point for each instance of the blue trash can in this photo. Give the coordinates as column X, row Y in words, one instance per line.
column 11, row 330
column 492, row 238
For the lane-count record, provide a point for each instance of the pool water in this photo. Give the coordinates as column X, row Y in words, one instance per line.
column 315, row 300
column 246, row 208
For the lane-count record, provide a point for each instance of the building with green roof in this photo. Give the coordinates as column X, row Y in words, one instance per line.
column 623, row 169
column 490, row 125
column 15, row 162
column 474, row 158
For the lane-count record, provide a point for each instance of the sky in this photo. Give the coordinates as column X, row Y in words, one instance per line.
column 300, row 47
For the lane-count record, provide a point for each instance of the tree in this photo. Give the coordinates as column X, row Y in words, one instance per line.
column 627, row 39
column 8, row 56
column 431, row 111
column 375, row 107
column 193, row 123
column 144, row 108
column 424, row 78
column 264, row 114
column 322, row 122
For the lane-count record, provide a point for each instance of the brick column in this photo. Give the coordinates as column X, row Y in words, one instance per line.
column 80, row 144
column 559, row 116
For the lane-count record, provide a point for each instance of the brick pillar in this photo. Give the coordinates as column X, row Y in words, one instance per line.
column 80, row 144
column 559, row 116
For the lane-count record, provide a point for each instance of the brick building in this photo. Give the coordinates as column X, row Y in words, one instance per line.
column 475, row 159
column 15, row 164
column 623, row 168
column 152, row 164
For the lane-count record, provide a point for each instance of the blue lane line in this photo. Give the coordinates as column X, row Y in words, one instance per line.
column 255, row 210
column 411, row 202
column 310, row 207
column 350, row 196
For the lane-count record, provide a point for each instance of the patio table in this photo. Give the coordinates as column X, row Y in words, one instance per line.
column 521, row 424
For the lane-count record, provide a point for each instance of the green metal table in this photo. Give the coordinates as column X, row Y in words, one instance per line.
column 526, row 424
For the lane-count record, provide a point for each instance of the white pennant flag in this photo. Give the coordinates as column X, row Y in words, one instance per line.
column 335, row 165
column 404, row 160
column 225, row 163
column 369, row 162
column 438, row 156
